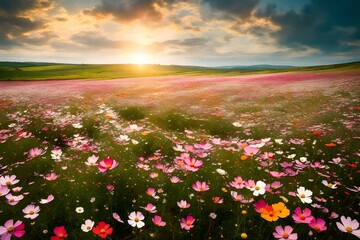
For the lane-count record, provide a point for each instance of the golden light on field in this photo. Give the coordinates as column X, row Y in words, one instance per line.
column 141, row 58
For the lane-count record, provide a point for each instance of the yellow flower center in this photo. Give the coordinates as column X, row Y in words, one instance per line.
column 10, row 229
column 348, row 229
column 285, row 235
column 102, row 230
column 316, row 228
column 302, row 195
column 136, row 219
column 88, row 227
column 31, row 212
column 302, row 217
column 8, row 183
column 108, row 165
column 61, row 235
column 330, row 185
column 257, row 188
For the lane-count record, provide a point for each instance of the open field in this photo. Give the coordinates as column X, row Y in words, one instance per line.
column 48, row 71
column 206, row 139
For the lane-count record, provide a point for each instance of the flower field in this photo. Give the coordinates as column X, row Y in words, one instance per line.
column 273, row 156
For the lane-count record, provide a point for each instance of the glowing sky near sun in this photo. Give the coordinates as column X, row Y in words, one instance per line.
column 187, row 32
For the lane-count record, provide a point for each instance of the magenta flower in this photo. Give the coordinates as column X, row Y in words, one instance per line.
column 192, row 164
column 10, row 229
column 318, row 225
column 203, row 145
column 158, row 221
column 200, row 186
column 302, row 216
column 285, row 233
column 107, row 164
column 260, row 205
column 349, row 226
column 187, row 223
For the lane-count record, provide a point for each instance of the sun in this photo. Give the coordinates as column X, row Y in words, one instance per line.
column 141, row 58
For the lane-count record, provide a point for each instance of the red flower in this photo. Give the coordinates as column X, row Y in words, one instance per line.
column 60, row 233
column 103, row 229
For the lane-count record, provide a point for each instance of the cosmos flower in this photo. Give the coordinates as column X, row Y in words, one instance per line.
column 200, row 186
column 329, row 185
column 10, row 229
column 135, row 219
column 183, row 204
column 304, row 216
column 107, row 164
column 318, row 225
column 88, row 225
column 258, row 188
column 13, row 200
column 56, row 154
column 103, row 230
column 192, row 164
column 51, row 176
column 304, row 195
column 150, row 208
column 91, row 161
column 34, row 152
column 187, row 223
column 60, row 233
column 238, row 183
column 349, row 226
column 47, row 200
column 31, row 211
column 8, row 180
column 285, row 233
column 157, row 220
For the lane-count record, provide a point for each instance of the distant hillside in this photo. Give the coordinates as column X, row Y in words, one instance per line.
column 58, row 71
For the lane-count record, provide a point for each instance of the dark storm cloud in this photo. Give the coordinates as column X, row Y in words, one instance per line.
column 330, row 26
column 13, row 26
column 230, row 9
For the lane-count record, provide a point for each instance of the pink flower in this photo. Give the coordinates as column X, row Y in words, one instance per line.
column 276, row 174
column 192, row 164
column 183, row 204
column 10, row 229
column 110, row 187
column 238, row 183
column 203, row 145
column 158, row 221
column 218, row 200
column 107, row 164
column 302, row 216
column 8, row 180
column 31, row 211
column 91, row 161
column 285, row 233
column 150, row 208
column 318, row 225
column 51, row 176
column 60, row 233
column 117, row 217
column 47, row 200
column 187, row 223
column 174, row 179
column 200, row 186
column 13, row 200
column 4, row 190
column 251, row 151
column 151, row 192
column 349, row 226
column 34, row 152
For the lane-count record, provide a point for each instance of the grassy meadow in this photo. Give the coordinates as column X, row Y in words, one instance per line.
column 237, row 148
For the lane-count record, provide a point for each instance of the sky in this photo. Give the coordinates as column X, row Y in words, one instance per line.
column 181, row 32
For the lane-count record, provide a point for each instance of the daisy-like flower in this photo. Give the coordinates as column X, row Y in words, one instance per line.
column 251, row 151
column 8, row 180
column 4, row 190
column 51, row 176
column 329, row 185
column 304, row 216
column 304, row 195
column 200, row 186
column 318, row 225
column 238, row 183
column 13, row 200
column 187, row 223
column 60, row 233
column 135, row 219
column 10, row 229
column 258, row 188
column 157, row 220
column 107, row 164
column 102, row 230
column 285, row 233
column 221, row 171
column 183, row 204
column 34, row 152
column 56, row 154
column 91, row 161
column 191, row 164
column 31, row 211
column 88, row 225
column 218, row 200
column 349, row 226
column 150, row 208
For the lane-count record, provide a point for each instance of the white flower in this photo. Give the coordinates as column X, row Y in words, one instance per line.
column 279, row 141
column 291, row 156
column 135, row 219
column 221, row 171
column 123, row 138
column 213, row 215
column 79, row 209
column 349, row 226
column 303, row 159
column 237, row 124
column 133, row 141
column 91, row 161
column 77, row 125
column 304, row 195
column 88, row 225
column 56, row 154
column 259, row 188
column 329, row 185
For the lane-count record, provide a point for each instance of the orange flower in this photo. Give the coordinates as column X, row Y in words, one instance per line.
column 330, row 144
column 269, row 214
column 281, row 210
column 243, row 157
